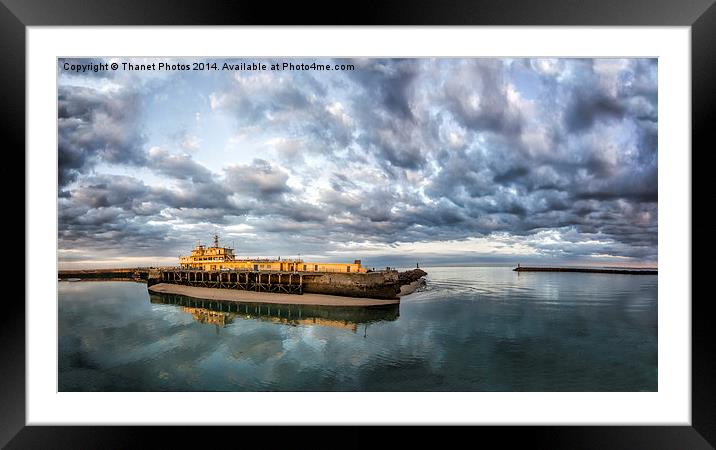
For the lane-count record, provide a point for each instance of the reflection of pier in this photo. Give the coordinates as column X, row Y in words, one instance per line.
column 203, row 315
column 223, row 312
column 278, row 282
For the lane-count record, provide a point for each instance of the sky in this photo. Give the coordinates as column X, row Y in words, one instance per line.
column 440, row 161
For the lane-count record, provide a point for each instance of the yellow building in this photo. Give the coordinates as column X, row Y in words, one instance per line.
column 218, row 258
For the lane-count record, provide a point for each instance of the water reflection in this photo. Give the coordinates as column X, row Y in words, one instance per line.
column 469, row 329
column 222, row 313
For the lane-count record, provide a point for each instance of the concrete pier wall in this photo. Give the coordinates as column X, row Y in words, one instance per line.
column 373, row 284
column 105, row 274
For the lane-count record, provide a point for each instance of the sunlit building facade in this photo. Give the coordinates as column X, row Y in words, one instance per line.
column 223, row 258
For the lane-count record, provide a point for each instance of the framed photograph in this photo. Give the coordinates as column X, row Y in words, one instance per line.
column 457, row 216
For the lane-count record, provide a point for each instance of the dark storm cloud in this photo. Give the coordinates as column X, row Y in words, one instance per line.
column 476, row 94
column 258, row 180
column 635, row 95
column 389, row 83
column 395, row 144
column 587, row 106
column 557, row 155
column 287, row 104
column 96, row 127
column 261, row 98
column 181, row 167
column 386, row 105
column 462, row 173
column 510, row 175
column 110, row 191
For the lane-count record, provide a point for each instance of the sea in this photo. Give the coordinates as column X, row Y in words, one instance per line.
column 466, row 329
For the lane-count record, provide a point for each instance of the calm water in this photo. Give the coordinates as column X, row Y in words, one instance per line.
column 469, row 329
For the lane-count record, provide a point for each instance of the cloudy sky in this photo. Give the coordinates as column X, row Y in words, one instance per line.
column 442, row 161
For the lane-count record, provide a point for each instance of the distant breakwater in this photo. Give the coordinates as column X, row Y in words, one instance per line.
column 615, row 270
column 122, row 274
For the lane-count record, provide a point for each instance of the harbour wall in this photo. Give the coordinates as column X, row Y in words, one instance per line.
column 379, row 285
column 616, row 270
column 136, row 273
column 384, row 285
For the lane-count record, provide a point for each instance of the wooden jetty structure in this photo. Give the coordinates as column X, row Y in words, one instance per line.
column 615, row 270
column 277, row 282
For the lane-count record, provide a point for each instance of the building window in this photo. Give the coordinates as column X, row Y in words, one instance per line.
column 315, row 268
column 304, row 267
column 348, row 268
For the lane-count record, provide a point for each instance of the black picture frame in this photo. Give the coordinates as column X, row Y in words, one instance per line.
column 700, row 15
